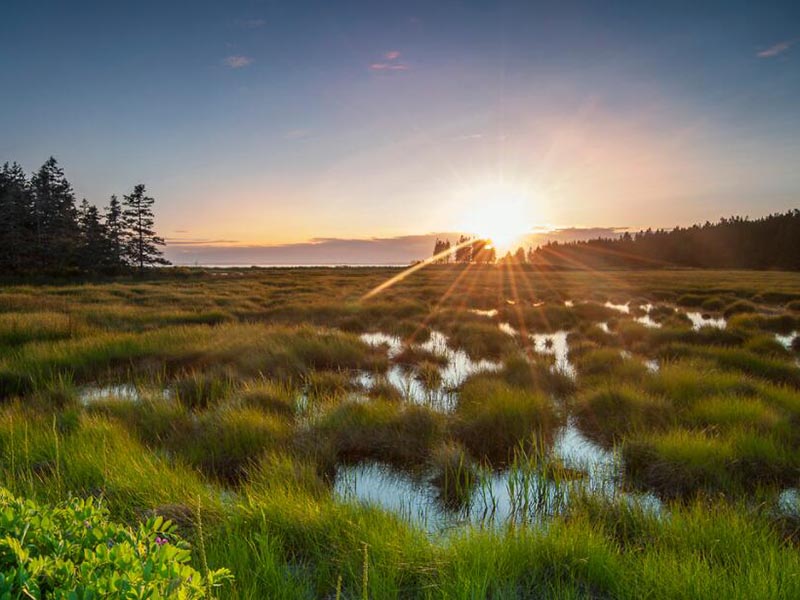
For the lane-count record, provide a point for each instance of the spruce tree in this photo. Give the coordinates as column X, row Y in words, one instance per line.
column 142, row 243
column 15, row 223
column 54, row 218
column 93, row 251
column 115, row 234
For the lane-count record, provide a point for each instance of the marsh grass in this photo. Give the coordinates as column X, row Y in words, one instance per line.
column 279, row 397
column 609, row 363
column 537, row 374
column 739, row 360
column 494, row 419
column 611, row 414
column 455, row 475
column 715, row 429
column 384, row 431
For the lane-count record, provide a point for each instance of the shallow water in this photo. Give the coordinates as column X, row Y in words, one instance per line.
column 508, row 329
column 647, row 321
column 698, row 321
column 404, row 378
column 556, row 344
column 514, row 495
column 786, row 340
column 492, row 312
column 394, row 343
column 652, row 365
column 623, row 308
column 117, row 391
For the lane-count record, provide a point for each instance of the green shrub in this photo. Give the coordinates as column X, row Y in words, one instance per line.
column 73, row 551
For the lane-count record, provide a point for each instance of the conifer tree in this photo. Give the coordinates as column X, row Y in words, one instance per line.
column 93, row 250
column 15, row 224
column 55, row 225
column 115, row 234
column 142, row 243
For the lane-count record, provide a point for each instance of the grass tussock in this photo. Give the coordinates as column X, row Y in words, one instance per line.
column 385, row 431
column 611, row 414
column 494, row 420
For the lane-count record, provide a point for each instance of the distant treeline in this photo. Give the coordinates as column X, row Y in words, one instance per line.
column 772, row 242
column 44, row 231
column 466, row 250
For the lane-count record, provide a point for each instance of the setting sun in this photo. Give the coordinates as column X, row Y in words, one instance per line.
column 499, row 212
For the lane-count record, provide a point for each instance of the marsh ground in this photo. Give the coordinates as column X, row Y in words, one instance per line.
column 467, row 432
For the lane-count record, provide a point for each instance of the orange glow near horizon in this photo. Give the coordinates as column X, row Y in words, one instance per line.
column 500, row 212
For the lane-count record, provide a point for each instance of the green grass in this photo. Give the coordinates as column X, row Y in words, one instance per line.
column 610, row 414
column 379, row 430
column 248, row 404
column 494, row 420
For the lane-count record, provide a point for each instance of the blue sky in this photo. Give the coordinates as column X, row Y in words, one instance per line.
column 264, row 123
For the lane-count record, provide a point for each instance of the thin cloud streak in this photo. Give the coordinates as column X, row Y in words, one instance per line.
column 237, row 61
column 776, row 49
column 388, row 67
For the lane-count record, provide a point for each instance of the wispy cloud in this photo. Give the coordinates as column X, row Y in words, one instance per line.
column 388, row 67
column 237, row 61
column 776, row 49
column 391, row 62
column 250, row 23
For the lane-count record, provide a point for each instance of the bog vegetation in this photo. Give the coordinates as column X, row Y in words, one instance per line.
column 473, row 431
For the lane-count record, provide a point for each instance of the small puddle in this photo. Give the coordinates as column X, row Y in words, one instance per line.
column 492, row 312
column 786, row 340
column 648, row 321
column 508, row 329
column 89, row 394
column 394, row 343
column 623, row 308
column 515, row 495
column 404, row 377
column 699, row 320
column 555, row 344
column 652, row 365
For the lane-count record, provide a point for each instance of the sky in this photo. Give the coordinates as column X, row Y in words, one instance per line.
column 359, row 131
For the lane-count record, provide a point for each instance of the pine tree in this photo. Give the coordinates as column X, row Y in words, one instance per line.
column 464, row 250
column 115, row 234
column 15, row 224
column 93, row 252
column 142, row 247
column 55, row 225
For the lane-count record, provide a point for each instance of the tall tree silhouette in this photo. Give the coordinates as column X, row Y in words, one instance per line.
column 115, row 234
column 54, row 217
column 142, row 247
column 93, row 251
column 16, row 239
